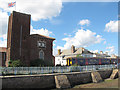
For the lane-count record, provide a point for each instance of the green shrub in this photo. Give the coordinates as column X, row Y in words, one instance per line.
column 15, row 63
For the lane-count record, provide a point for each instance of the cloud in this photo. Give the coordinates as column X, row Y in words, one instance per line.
column 39, row 9
column 3, row 40
column 94, row 51
column 82, row 38
column 69, row 35
column 104, row 42
column 111, row 49
column 40, row 31
column 84, row 22
column 90, row 0
column 111, row 26
column 3, row 22
column 55, row 52
column 3, row 28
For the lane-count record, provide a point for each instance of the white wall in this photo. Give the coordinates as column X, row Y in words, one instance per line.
column 60, row 60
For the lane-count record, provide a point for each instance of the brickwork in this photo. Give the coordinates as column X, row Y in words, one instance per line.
column 23, row 46
column 2, row 56
column 33, row 49
column 18, row 31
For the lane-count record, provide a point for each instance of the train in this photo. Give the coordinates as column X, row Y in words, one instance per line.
column 90, row 61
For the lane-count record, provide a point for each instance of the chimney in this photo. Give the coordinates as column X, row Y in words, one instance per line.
column 101, row 52
column 106, row 53
column 59, row 51
column 73, row 49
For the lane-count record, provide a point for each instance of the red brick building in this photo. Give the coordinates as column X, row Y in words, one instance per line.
column 18, row 31
column 23, row 46
column 2, row 56
column 40, row 46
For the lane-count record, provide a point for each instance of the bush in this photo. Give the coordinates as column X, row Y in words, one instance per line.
column 15, row 63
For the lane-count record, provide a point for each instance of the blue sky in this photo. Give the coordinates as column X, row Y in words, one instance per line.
column 82, row 24
column 99, row 15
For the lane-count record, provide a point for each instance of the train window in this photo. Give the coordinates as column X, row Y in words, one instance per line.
column 81, row 61
column 73, row 59
column 91, row 60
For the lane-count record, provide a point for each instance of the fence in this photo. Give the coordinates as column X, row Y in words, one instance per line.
column 45, row 70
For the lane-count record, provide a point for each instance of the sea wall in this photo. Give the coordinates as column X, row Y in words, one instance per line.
column 48, row 80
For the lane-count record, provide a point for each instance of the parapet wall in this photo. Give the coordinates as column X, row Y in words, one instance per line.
column 105, row 73
column 79, row 78
column 48, row 80
column 34, row 81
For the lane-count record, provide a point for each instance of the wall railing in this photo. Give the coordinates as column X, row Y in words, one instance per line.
column 46, row 70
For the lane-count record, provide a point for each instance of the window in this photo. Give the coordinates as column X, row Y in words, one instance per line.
column 41, row 44
column 41, row 54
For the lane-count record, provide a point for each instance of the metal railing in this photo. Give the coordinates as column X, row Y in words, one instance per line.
column 46, row 70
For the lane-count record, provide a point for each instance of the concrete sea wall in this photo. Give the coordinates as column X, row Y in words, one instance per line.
column 48, row 80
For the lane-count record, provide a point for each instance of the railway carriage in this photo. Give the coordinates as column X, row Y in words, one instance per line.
column 90, row 61
column 114, row 61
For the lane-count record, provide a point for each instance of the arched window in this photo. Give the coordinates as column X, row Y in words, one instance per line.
column 41, row 54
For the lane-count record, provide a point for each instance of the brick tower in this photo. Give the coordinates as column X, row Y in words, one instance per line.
column 18, row 31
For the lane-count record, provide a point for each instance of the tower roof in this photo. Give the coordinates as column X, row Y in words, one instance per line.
column 43, row 36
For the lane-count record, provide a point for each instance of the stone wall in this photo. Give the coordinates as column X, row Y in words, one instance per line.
column 48, row 80
column 79, row 78
column 39, row 81
column 105, row 73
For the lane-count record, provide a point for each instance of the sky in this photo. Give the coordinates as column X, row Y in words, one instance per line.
column 92, row 25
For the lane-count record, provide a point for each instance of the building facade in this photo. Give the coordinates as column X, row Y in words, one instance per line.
column 3, row 56
column 23, row 46
column 40, row 46
column 18, row 31
column 60, row 58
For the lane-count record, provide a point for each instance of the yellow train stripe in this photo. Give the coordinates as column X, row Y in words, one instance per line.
column 68, row 62
column 71, row 62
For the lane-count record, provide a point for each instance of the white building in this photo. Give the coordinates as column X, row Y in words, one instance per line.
column 60, row 58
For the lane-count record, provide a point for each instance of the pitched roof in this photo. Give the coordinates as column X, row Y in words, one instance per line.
column 77, row 51
column 43, row 36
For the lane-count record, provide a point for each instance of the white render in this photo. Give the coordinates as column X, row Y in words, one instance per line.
column 60, row 61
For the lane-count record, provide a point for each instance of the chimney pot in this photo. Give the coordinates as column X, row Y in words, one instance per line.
column 59, row 51
column 73, row 49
